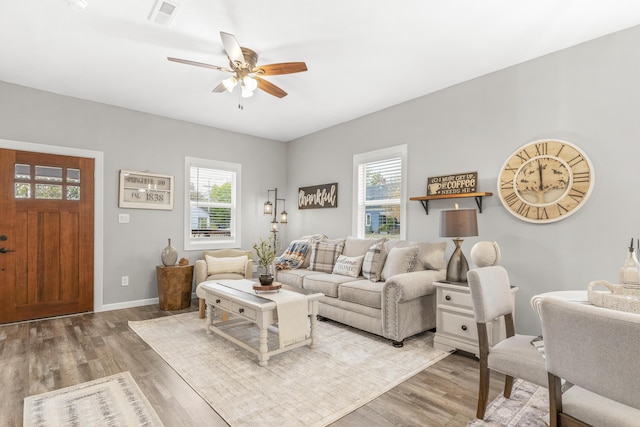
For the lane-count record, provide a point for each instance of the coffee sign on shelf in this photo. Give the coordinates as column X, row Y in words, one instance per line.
column 461, row 183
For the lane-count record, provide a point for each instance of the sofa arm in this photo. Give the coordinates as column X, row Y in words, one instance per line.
column 201, row 271
column 248, row 269
column 408, row 286
column 404, row 296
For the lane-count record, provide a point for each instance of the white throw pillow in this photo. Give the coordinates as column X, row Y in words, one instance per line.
column 399, row 260
column 218, row 265
column 348, row 266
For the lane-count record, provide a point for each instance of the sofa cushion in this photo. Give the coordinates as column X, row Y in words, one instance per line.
column 430, row 255
column 217, row 265
column 293, row 256
column 399, row 260
column 294, row 277
column 324, row 256
column 357, row 247
column 348, row 266
column 374, row 261
column 362, row 292
column 326, row 283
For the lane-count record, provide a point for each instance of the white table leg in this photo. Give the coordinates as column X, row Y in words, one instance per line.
column 263, row 357
column 313, row 320
column 209, row 317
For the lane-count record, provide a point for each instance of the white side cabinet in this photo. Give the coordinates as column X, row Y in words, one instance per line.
column 455, row 324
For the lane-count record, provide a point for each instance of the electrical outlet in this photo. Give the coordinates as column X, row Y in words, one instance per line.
column 125, row 280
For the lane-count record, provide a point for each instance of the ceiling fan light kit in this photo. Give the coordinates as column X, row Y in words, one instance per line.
column 242, row 62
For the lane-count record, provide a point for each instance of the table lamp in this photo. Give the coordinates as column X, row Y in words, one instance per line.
column 458, row 223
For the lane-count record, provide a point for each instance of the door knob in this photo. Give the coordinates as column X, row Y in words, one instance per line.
column 5, row 250
column 3, row 237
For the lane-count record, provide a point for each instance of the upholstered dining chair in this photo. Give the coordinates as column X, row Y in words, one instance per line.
column 226, row 264
column 596, row 350
column 514, row 356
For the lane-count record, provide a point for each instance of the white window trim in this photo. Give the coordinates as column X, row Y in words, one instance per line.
column 205, row 244
column 373, row 156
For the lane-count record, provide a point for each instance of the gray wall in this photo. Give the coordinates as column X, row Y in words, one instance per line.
column 588, row 95
column 140, row 142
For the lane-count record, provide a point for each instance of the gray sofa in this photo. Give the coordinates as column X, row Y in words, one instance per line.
column 401, row 304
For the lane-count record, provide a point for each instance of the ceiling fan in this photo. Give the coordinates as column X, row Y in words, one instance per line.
column 242, row 66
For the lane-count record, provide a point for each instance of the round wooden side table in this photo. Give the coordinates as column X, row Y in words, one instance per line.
column 175, row 284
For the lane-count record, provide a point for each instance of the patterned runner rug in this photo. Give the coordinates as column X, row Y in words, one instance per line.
column 528, row 406
column 114, row 401
column 301, row 387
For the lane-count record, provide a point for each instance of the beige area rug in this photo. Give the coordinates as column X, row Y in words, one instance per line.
column 528, row 406
column 114, row 401
column 301, row 387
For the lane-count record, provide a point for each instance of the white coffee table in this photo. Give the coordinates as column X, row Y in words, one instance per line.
column 255, row 309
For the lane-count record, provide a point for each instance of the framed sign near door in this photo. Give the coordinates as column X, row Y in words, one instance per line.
column 144, row 190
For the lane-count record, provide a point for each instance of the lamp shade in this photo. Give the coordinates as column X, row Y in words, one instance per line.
column 459, row 223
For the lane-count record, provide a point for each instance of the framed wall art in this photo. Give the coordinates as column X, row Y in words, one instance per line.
column 318, row 196
column 145, row 190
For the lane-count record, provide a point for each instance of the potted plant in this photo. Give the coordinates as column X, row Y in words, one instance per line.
column 266, row 255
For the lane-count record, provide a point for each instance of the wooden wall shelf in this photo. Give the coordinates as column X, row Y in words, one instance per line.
column 425, row 199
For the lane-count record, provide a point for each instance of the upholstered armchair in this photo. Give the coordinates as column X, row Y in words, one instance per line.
column 222, row 264
column 596, row 350
column 515, row 356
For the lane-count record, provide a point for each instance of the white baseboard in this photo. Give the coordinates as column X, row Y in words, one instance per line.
column 126, row 304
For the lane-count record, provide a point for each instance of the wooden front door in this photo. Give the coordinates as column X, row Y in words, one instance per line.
column 46, row 235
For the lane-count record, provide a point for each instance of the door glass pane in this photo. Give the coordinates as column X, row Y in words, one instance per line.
column 23, row 191
column 48, row 173
column 73, row 192
column 73, row 175
column 23, row 172
column 47, row 191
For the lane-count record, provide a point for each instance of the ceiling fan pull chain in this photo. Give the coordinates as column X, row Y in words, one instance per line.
column 240, row 103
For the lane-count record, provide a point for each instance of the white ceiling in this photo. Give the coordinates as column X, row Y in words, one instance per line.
column 362, row 55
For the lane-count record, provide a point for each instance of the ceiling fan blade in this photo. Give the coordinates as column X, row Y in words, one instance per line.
column 270, row 88
column 280, row 68
column 219, row 88
column 199, row 64
column 231, row 45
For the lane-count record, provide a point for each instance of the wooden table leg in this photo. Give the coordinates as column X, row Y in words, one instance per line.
column 313, row 320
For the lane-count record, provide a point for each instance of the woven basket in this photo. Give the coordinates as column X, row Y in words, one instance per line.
column 617, row 297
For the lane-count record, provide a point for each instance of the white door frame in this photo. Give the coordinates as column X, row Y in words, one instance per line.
column 98, row 232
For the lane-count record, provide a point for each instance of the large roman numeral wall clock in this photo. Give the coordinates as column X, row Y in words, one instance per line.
column 545, row 181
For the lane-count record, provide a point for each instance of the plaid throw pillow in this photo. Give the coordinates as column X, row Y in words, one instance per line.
column 293, row 257
column 374, row 261
column 324, row 256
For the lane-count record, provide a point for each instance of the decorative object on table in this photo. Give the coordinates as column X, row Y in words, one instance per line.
column 272, row 209
column 458, row 223
column 169, row 255
column 265, row 251
column 183, row 262
column 273, row 287
column 461, row 183
column 618, row 297
column 546, row 181
column 318, row 196
column 144, row 190
column 113, row 400
column 630, row 271
column 485, row 254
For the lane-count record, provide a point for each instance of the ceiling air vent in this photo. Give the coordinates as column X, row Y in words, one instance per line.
column 164, row 11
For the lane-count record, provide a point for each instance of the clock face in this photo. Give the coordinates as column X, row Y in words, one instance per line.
column 545, row 181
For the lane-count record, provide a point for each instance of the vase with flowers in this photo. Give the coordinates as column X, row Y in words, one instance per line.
column 266, row 255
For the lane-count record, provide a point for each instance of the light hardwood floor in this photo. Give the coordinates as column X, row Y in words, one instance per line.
column 45, row 355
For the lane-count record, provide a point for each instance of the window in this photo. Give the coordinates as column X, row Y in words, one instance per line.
column 46, row 182
column 212, row 205
column 379, row 180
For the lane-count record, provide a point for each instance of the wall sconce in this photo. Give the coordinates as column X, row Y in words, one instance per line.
column 271, row 209
column 458, row 223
